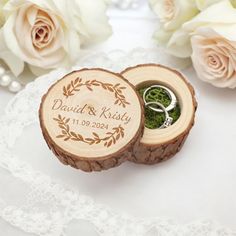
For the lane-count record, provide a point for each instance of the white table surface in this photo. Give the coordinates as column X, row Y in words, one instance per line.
column 200, row 183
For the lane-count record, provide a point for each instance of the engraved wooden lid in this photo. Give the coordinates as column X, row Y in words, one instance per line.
column 91, row 119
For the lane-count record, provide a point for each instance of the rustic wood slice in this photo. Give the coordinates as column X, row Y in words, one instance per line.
column 161, row 144
column 91, row 119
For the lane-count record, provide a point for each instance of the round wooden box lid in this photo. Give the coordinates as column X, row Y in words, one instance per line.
column 91, row 119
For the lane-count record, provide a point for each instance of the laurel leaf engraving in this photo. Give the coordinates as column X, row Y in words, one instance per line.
column 67, row 134
column 75, row 86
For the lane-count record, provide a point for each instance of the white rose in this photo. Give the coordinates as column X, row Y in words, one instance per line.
column 211, row 42
column 179, row 43
column 48, row 33
column 173, row 13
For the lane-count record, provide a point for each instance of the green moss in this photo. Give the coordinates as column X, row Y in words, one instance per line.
column 153, row 119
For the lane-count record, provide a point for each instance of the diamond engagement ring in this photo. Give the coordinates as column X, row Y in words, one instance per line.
column 170, row 94
column 168, row 120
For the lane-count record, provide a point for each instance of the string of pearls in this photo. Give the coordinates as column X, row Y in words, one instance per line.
column 7, row 80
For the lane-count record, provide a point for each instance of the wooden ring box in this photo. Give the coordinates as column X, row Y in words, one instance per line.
column 161, row 144
column 93, row 119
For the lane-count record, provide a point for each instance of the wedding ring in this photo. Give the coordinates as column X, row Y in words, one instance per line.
column 170, row 94
column 168, row 120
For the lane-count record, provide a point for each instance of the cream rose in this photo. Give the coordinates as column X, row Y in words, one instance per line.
column 214, row 58
column 173, row 13
column 179, row 43
column 211, row 42
column 48, row 33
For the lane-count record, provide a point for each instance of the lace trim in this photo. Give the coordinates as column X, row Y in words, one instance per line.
column 62, row 203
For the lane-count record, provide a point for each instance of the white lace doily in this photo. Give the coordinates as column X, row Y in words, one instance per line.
column 47, row 207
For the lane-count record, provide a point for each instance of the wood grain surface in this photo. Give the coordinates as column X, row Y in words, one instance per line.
column 91, row 119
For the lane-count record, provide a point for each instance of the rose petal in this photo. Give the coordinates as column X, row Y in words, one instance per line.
column 94, row 19
column 15, row 64
column 211, row 16
column 179, row 45
column 31, row 15
column 73, row 45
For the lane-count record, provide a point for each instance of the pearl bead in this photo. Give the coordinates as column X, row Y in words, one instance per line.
column 2, row 71
column 5, row 80
column 15, row 87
